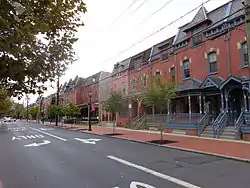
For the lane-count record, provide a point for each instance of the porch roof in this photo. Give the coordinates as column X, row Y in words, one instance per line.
column 190, row 84
column 230, row 80
column 210, row 82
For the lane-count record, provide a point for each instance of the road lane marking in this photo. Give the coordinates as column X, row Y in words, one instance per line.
column 149, row 171
column 88, row 141
column 54, row 136
column 45, row 142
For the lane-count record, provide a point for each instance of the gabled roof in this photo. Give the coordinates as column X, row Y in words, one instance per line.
column 200, row 17
column 214, row 16
column 212, row 82
column 92, row 79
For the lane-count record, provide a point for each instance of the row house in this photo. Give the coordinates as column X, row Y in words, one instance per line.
column 88, row 92
column 208, row 62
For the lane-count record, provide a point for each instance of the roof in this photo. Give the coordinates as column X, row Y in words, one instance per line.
column 214, row 16
column 92, row 79
column 200, row 17
column 189, row 84
column 166, row 45
column 141, row 57
column 123, row 65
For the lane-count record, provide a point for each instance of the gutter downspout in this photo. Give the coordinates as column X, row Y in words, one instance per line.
column 227, row 40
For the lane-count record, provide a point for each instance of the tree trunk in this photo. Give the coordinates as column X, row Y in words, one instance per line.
column 114, row 126
column 161, row 127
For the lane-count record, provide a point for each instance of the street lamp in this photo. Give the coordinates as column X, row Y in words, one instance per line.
column 90, row 103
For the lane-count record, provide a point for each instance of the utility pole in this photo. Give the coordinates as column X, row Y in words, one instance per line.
column 27, row 108
column 57, row 98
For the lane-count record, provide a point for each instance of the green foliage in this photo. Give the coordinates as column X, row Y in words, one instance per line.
column 34, row 112
column 114, row 103
column 159, row 93
column 72, row 110
column 5, row 103
column 36, row 41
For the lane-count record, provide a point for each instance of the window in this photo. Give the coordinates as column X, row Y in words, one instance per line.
column 158, row 74
column 186, row 69
column 124, row 88
column 119, row 74
column 144, row 81
column 133, row 84
column 114, row 88
column 172, row 74
column 244, row 51
column 197, row 39
column 164, row 57
column 212, row 60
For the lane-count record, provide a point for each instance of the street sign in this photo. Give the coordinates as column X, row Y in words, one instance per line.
column 88, row 141
column 45, row 142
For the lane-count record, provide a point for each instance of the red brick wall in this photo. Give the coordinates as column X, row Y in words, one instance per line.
column 117, row 82
column 82, row 94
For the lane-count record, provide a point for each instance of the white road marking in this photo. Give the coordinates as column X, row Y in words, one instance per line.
column 88, row 141
column 149, row 171
column 54, row 136
column 49, row 129
column 45, row 142
column 24, row 137
column 135, row 184
column 16, row 138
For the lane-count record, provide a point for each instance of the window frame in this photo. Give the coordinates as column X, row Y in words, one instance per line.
column 172, row 74
column 209, row 63
column 124, row 88
column 183, row 69
column 133, row 84
column 144, row 81
column 243, row 62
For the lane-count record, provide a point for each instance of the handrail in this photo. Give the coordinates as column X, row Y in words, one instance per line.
column 222, row 124
column 140, row 121
column 216, row 121
column 238, row 123
column 203, row 123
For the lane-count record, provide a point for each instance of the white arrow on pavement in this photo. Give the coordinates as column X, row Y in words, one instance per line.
column 43, row 129
column 88, row 141
column 16, row 138
column 45, row 142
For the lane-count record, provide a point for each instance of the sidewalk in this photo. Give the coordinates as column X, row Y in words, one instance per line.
column 229, row 149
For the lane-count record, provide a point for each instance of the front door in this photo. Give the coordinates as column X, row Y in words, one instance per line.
column 235, row 104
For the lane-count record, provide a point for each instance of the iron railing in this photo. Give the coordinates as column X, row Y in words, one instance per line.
column 204, row 121
column 222, row 123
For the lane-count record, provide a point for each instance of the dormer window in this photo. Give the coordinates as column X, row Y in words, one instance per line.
column 94, row 79
column 197, row 39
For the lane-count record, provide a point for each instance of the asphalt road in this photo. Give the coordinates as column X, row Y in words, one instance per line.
column 35, row 156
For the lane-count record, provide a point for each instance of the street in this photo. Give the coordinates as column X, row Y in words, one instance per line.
column 36, row 156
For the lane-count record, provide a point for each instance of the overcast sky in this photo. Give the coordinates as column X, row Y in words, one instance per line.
column 109, row 29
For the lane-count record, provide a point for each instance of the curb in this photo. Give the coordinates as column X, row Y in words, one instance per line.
column 176, row 148
column 170, row 147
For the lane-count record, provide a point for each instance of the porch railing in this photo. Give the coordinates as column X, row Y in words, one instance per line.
column 140, row 124
column 222, row 123
column 184, row 118
column 204, row 121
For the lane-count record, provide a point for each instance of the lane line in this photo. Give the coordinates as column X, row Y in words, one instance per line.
column 158, row 174
column 54, row 136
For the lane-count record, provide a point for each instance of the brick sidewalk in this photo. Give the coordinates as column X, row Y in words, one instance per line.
column 236, row 150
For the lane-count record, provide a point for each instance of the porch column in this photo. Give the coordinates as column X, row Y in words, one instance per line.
column 222, row 100
column 189, row 107
column 200, row 99
column 226, row 98
column 245, row 101
column 168, row 106
column 204, row 102
column 108, row 117
column 139, row 109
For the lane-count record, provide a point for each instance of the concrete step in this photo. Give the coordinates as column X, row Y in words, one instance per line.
column 227, row 137
column 207, row 135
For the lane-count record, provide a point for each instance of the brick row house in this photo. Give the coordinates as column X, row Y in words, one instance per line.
column 207, row 59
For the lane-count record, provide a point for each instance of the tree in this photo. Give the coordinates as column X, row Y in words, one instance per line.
column 18, row 110
column 159, row 95
column 72, row 111
column 36, row 42
column 34, row 112
column 5, row 103
column 114, row 105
